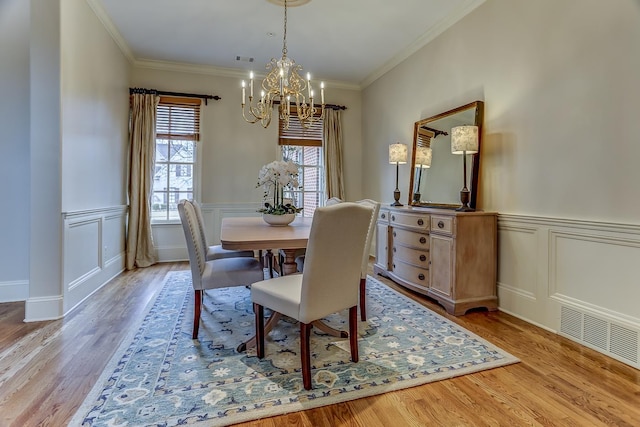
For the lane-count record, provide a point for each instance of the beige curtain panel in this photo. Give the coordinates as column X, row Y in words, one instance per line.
column 333, row 153
column 142, row 141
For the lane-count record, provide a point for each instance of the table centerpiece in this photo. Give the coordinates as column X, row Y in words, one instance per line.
column 275, row 178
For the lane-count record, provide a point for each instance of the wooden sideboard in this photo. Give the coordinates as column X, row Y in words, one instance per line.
column 447, row 255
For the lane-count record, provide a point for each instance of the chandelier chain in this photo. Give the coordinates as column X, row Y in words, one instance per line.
column 284, row 41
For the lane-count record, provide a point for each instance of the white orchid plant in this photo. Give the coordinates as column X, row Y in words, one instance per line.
column 275, row 178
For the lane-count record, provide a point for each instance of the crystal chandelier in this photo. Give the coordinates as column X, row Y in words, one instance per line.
column 283, row 85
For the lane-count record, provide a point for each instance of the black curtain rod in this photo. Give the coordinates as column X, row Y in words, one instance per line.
column 133, row 90
column 436, row 131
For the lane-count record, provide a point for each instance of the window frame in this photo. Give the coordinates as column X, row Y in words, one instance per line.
column 195, row 165
column 297, row 136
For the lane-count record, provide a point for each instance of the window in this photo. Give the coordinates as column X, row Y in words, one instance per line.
column 304, row 146
column 177, row 131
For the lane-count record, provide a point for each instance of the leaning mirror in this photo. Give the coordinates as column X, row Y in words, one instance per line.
column 440, row 184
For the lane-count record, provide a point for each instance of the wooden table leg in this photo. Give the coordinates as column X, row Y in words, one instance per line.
column 329, row 330
column 271, row 321
column 289, row 266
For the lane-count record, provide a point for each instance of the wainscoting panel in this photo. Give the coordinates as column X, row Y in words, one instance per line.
column 93, row 251
column 573, row 277
column 169, row 238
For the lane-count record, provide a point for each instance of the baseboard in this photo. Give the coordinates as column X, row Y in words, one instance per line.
column 17, row 290
column 43, row 308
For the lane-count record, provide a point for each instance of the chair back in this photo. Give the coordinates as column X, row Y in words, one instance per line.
column 195, row 245
column 331, row 276
column 375, row 206
column 200, row 218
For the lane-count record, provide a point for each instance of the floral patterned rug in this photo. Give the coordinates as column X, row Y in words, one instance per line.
column 160, row 376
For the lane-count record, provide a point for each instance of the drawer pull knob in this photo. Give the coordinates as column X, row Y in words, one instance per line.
column 393, row 217
column 440, row 224
column 423, row 240
column 394, row 234
column 383, row 216
column 421, row 276
column 420, row 222
column 394, row 265
column 394, row 249
column 423, row 257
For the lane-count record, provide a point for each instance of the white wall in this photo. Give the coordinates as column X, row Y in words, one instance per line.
column 69, row 83
column 95, row 112
column 45, row 259
column 233, row 151
column 14, row 142
column 560, row 85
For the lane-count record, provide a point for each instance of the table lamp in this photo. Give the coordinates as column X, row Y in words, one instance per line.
column 397, row 155
column 464, row 140
column 423, row 161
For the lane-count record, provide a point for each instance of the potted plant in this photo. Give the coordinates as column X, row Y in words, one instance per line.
column 275, row 178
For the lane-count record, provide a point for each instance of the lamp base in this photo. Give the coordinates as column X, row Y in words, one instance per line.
column 396, row 196
column 464, row 199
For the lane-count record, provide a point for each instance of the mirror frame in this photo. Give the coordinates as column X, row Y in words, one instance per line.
column 475, row 158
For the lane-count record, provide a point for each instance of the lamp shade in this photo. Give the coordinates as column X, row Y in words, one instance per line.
column 398, row 153
column 464, row 140
column 423, row 157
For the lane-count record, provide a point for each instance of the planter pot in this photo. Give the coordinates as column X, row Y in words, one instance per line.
column 278, row 220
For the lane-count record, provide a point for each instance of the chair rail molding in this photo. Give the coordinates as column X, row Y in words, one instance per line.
column 168, row 237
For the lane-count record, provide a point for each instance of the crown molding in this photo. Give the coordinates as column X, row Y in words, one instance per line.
column 100, row 13
column 211, row 70
column 423, row 40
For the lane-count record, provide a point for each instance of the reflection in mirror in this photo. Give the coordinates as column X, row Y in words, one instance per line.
column 439, row 185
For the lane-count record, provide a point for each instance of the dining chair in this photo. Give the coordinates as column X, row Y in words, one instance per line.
column 375, row 206
column 375, row 209
column 299, row 255
column 216, row 273
column 328, row 284
column 215, row 251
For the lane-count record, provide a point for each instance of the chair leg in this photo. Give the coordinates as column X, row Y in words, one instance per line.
column 269, row 256
column 305, row 354
column 353, row 332
column 259, row 313
column 197, row 306
column 363, row 299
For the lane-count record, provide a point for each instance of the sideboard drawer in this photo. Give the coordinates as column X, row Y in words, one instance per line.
column 442, row 224
column 410, row 238
column 419, row 221
column 417, row 257
column 410, row 273
column 383, row 216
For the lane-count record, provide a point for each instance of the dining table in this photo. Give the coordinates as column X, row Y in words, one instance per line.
column 253, row 233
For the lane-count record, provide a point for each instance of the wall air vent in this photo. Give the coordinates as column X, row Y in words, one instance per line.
column 599, row 333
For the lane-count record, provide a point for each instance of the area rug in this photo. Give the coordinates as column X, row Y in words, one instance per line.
column 160, row 376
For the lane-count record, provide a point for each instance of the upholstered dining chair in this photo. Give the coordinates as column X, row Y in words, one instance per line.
column 375, row 209
column 216, row 273
column 215, row 251
column 299, row 255
column 328, row 284
column 375, row 206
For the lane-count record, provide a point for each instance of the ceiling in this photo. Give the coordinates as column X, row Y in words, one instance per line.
column 346, row 43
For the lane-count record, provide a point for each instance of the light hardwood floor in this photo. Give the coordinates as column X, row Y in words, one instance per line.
column 47, row 368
